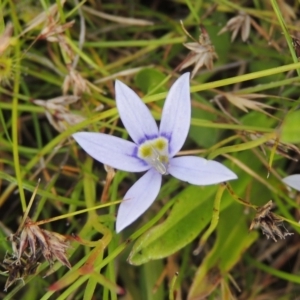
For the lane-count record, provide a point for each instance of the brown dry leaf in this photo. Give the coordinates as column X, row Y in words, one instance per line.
column 269, row 222
column 202, row 52
column 58, row 114
column 242, row 23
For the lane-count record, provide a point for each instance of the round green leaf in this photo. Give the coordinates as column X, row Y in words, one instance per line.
column 291, row 128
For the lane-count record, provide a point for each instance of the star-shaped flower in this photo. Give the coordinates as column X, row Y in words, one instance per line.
column 152, row 150
column 293, row 181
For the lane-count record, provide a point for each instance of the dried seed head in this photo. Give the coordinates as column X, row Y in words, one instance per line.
column 245, row 102
column 52, row 244
column 19, row 269
column 75, row 82
column 52, row 31
column 58, row 114
column 31, row 245
column 32, row 240
column 56, row 248
column 269, row 222
column 241, row 22
column 44, row 16
column 202, row 52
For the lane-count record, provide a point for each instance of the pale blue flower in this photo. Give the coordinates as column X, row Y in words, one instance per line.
column 152, row 150
column 293, row 181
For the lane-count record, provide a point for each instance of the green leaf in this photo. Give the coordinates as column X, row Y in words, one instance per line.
column 254, row 118
column 233, row 238
column 291, row 128
column 189, row 216
column 147, row 79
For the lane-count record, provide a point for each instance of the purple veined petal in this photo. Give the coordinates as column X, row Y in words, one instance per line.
column 134, row 113
column 111, row 150
column 199, row 171
column 293, row 181
column 138, row 199
column 176, row 115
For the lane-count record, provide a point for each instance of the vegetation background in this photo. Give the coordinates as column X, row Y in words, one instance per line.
column 58, row 63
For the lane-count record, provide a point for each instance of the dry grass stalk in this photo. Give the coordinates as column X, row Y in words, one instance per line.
column 118, row 19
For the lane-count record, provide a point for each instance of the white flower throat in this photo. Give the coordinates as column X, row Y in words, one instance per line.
column 155, row 153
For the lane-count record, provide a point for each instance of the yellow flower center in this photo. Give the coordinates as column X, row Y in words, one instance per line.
column 155, row 153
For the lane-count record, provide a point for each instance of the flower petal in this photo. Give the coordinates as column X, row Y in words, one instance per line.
column 111, row 150
column 199, row 171
column 134, row 114
column 293, row 181
column 138, row 199
column 176, row 115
